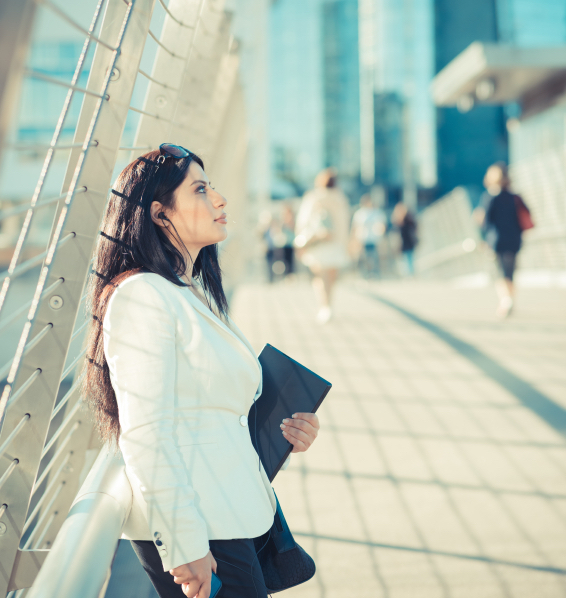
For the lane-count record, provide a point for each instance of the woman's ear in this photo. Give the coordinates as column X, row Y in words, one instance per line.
column 157, row 212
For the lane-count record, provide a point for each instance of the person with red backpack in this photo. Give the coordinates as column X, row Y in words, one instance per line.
column 506, row 217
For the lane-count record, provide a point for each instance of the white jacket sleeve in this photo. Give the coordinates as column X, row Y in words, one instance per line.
column 139, row 344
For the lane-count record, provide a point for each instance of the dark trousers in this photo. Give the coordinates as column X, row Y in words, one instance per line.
column 507, row 261
column 289, row 259
column 238, row 569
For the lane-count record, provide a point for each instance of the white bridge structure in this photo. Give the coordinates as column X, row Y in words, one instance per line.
column 58, row 538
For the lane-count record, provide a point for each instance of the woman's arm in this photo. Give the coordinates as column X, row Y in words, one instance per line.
column 139, row 343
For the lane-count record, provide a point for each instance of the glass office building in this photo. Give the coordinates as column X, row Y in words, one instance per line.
column 528, row 23
column 313, row 92
column 468, row 143
column 341, row 88
column 531, row 23
column 314, row 98
column 296, row 97
column 404, row 67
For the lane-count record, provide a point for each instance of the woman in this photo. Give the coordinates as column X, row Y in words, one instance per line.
column 171, row 378
column 323, row 225
column 502, row 219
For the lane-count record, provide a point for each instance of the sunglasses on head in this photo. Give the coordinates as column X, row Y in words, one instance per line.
column 166, row 150
column 170, row 150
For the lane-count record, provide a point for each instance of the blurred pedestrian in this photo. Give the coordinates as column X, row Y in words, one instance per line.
column 506, row 216
column 288, row 229
column 368, row 226
column 269, row 229
column 407, row 225
column 322, row 232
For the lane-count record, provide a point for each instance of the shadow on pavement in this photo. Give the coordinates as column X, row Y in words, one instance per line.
column 552, row 413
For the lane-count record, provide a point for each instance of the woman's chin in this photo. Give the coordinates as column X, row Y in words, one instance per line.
column 219, row 238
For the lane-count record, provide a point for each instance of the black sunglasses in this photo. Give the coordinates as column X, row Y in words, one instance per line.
column 166, row 150
column 171, row 150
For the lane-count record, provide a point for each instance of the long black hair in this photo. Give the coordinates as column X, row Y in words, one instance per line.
column 129, row 243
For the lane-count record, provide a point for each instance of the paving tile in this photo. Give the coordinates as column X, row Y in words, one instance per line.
column 430, row 478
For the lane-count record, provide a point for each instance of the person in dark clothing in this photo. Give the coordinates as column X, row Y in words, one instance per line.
column 407, row 225
column 288, row 229
column 503, row 230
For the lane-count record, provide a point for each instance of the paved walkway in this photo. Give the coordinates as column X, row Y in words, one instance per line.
column 440, row 469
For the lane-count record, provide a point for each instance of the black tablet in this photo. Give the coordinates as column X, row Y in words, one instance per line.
column 288, row 387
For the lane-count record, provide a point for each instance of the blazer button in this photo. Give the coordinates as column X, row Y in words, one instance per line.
column 158, row 542
column 162, row 553
column 157, row 535
column 243, row 421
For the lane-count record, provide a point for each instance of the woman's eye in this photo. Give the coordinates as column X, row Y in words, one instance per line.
column 201, row 188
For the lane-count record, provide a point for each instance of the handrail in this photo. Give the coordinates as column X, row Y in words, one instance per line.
column 147, row 76
column 173, row 17
column 27, row 348
column 34, row 261
column 63, row 15
column 46, row 516
column 9, row 471
column 13, row 434
column 25, row 307
column 159, row 43
column 92, row 527
column 43, row 77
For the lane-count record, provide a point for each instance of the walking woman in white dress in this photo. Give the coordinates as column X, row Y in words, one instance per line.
column 171, row 378
column 322, row 235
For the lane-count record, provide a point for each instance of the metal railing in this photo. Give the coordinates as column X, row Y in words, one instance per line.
column 93, row 526
column 449, row 239
column 541, row 181
column 182, row 54
column 450, row 243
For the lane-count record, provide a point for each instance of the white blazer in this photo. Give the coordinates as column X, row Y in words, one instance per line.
column 184, row 383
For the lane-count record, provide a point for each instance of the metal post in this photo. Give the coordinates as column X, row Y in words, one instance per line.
column 53, row 317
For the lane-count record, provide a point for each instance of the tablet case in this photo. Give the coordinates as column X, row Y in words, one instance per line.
column 288, row 387
column 215, row 585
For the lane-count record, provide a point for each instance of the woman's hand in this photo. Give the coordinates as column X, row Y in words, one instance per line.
column 301, row 430
column 195, row 577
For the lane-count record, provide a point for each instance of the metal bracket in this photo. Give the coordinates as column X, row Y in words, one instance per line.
column 26, row 567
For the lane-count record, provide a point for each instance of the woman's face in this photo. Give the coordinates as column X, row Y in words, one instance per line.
column 198, row 213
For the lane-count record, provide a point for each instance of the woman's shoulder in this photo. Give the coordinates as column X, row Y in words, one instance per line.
column 140, row 291
column 143, row 282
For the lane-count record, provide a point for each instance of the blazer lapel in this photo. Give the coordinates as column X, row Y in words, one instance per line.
column 205, row 311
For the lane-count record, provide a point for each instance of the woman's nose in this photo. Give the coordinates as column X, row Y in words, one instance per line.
column 221, row 201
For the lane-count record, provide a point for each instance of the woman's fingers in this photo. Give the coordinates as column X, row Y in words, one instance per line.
column 202, row 592
column 309, row 426
column 301, row 430
column 311, row 418
column 191, row 590
column 292, row 434
column 298, row 445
